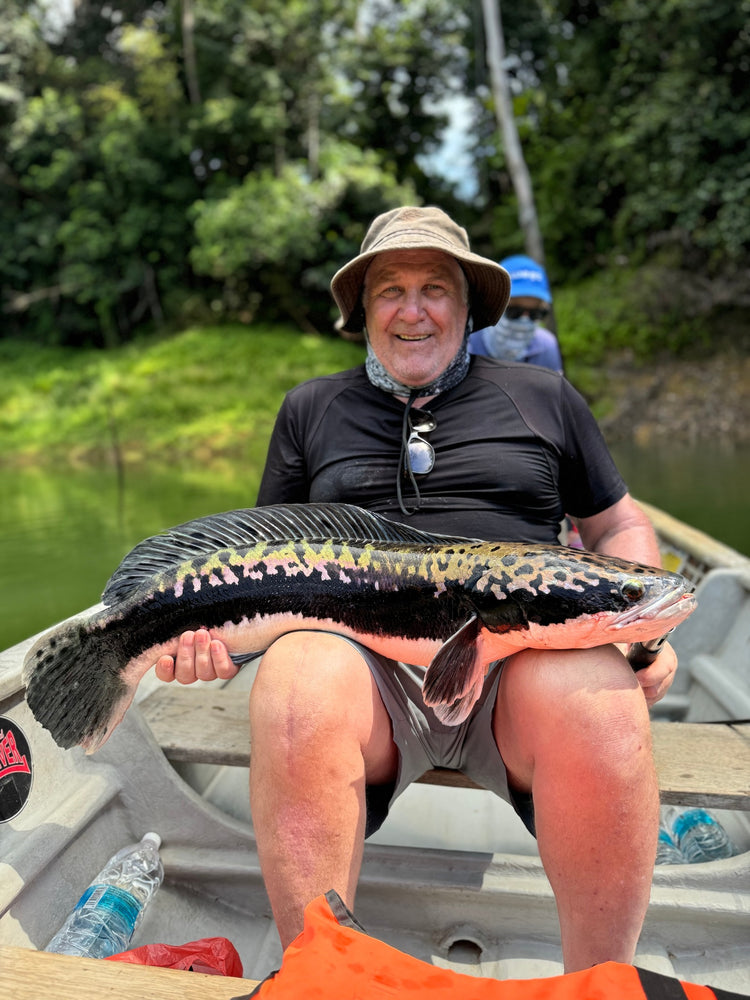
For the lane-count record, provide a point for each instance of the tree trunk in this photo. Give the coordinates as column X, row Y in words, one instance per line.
column 188, row 51
column 503, row 101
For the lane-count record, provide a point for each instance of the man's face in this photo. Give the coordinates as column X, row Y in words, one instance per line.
column 415, row 311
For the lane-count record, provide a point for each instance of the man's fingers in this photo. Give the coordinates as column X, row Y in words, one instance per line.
column 224, row 666
column 196, row 658
column 165, row 669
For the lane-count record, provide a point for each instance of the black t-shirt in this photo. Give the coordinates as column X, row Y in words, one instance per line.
column 516, row 448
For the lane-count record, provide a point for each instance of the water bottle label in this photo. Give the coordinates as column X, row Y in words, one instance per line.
column 108, row 898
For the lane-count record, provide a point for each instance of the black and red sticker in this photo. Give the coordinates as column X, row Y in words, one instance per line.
column 15, row 769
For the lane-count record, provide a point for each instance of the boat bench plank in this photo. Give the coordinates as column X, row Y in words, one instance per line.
column 698, row 764
column 27, row 975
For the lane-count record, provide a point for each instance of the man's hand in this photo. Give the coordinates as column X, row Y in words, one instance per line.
column 656, row 679
column 197, row 657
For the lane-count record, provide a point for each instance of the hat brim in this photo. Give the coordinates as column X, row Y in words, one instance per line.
column 489, row 283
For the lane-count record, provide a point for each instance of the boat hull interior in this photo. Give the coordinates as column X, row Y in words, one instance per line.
column 452, row 877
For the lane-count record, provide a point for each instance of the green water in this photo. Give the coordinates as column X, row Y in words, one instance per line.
column 63, row 531
column 707, row 486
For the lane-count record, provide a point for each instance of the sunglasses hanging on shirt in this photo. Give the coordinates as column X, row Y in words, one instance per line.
column 420, row 453
column 417, row 454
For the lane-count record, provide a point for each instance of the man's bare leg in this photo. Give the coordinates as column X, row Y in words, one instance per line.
column 573, row 728
column 318, row 727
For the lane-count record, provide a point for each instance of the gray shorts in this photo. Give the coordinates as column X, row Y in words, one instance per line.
column 423, row 742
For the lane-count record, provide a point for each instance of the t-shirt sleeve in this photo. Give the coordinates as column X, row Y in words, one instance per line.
column 285, row 478
column 589, row 479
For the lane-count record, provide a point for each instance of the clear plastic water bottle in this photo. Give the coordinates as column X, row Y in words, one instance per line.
column 107, row 914
column 667, row 851
column 701, row 837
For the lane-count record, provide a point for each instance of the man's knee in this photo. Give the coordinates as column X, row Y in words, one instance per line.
column 314, row 675
column 538, row 677
column 570, row 704
column 309, row 669
column 314, row 690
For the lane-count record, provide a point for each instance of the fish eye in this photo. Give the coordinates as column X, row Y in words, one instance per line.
column 633, row 590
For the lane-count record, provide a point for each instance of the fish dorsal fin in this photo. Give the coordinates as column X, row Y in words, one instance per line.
column 453, row 680
column 247, row 527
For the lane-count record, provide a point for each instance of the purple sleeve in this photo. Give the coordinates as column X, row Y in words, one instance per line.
column 545, row 350
column 477, row 343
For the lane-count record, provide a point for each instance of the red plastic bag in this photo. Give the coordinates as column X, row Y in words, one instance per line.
column 215, row 956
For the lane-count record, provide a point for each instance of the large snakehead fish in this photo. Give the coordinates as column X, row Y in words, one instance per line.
column 453, row 605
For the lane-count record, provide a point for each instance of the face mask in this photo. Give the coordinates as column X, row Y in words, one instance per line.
column 509, row 339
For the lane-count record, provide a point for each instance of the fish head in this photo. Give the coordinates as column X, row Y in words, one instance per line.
column 658, row 602
column 566, row 598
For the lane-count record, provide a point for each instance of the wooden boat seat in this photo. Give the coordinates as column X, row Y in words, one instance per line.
column 29, row 974
column 698, row 764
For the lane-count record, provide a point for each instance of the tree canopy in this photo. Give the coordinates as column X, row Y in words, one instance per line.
column 187, row 159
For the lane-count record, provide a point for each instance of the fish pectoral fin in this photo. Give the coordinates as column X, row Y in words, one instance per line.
column 456, row 669
column 459, row 711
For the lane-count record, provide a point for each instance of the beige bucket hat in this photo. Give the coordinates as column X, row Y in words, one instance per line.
column 424, row 229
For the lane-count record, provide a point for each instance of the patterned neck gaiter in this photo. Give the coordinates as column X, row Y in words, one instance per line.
column 455, row 372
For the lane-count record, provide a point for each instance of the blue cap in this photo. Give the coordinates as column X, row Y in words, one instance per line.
column 526, row 278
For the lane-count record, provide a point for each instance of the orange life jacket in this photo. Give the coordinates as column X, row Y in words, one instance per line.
column 333, row 959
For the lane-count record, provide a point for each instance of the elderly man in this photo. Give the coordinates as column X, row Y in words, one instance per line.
column 503, row 451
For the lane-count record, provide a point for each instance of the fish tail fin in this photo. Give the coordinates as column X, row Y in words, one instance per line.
column 453, row 681
column 74, row 685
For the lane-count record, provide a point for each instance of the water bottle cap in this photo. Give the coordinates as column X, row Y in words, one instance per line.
column 153, row 838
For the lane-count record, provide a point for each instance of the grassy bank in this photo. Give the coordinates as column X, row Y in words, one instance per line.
column 213, row 392
column 203, row 393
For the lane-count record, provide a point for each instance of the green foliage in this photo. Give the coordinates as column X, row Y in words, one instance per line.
column 265, row 220
column 648, row 136
column 637, row 312
column 210, row 391
column 101, row 181
column 277, row 233
column 404, row 59
column 144, row 185
column 152, row 176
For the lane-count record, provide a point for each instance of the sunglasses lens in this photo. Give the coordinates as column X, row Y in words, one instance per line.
column 516, row 312
column 421, row 455
column 422, row 422
column 421, row 452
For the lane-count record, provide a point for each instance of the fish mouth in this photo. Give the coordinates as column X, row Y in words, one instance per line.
column 661, row 609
